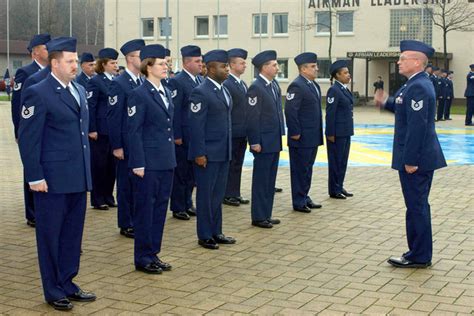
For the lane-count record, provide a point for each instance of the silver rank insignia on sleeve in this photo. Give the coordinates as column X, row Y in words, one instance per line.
column 252, row 101
column 113, row 100
column 17, row 86
column 195, row 107
column 416, row 106
column 330, row 100
column 174, row 93
column 290, row 96
column 27, row 112
column 89, row 94
column 132, row 111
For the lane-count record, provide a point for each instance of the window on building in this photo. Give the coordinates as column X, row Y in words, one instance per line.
column 148, row 27
column 283, row 71
column 220, row 26
column 323, row 65
column 280, row 24
column 345, row 22
column 263, row 26
column 202, row 26
column 322, row 22
column 410, row 24
column 165, row 27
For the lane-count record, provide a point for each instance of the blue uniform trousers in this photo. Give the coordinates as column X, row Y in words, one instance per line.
column 265, row 167
column 416, row 189
column 29, row 200
column 59, row 227
column 150, row 195
column 183, row 183
column 338, row 156
column 211, row 184
column 301, row 170
column 124, row 195
column 447, row 108
column 103, row 171
column 441, row 108
column 469, row 109
column 239, row 144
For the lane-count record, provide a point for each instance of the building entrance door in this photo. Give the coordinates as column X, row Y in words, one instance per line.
column 395, row 80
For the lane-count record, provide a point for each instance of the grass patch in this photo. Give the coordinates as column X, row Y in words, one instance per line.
column 3, row 98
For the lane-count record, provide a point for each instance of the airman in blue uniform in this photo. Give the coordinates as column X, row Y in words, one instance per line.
column 210, row 147
column 442, row 95
column 181, row 86
column 36, row 78
column 339, row 128
column 103, row 161
column 469, row 95
column 449, row 95
column 416, row 151
column 151, row 158
column 87, row 66
column 39, row 54
column 55, row 152
column 305, row 129
column 265, row 127
column 238, row 90
column 118, row 93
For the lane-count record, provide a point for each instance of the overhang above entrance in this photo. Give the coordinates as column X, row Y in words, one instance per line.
column 389, row 55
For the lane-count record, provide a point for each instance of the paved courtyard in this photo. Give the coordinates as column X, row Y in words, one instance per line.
column 331, row 261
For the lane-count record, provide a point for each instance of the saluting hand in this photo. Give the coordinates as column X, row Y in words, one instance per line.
column 411, row 169
column 332, row 139
column 201, row 161
column 39, row 187
column 118, row 153
column 93, row 135
column 256, row 148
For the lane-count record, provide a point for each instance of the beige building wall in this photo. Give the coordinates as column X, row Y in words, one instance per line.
column 371, row 33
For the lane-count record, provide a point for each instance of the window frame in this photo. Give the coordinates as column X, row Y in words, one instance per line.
column 159, row 27
column 318, row 33
column 196, row 18
column 274, row 33
column 214, row 22
column 339, row 23
column 254, row 25
column 152, row 37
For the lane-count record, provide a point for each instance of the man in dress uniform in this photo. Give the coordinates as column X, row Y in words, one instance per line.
column 238, row 90
column 443, row 92
column 210, row 147
column 449, row 95
column 117, row 114
column 305, row 134
column 265, row 127
column 469, row 94
column 87, row 67
column 55, row 152
column 39, row 54
column 416, row 151
column 169, row 62
column 181, row 86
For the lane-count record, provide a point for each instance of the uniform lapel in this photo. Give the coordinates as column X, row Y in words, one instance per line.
column 157, row 98
column 64, row 95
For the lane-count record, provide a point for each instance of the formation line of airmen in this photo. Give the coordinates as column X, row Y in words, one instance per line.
column 163, row 136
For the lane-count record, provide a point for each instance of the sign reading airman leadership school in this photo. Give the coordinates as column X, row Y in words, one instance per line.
column 374, row 3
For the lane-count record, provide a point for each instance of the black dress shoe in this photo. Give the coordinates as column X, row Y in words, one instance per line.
column 231, row 201
column 339, row 196
column 274, row 221
column 150, row 268
column 181, row 215
column 470, row 124
column 302, row 209
column 402, row 262
column 449, row 119
column 127, row 232
column 278, row 190
column 62, row 304
column 208, row 243
column 82, row 296
column 191, row 211
column 311, row 204
column 31, row 223
column 162, row 265
column 262, row 224
column 243, row 201
column 103, row 207
column 222, row 239
column 112, row 204
column 347, row 194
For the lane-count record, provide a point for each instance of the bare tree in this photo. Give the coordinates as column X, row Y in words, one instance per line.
column 454, row 15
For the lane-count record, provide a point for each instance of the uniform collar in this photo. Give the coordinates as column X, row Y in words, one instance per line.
column 264, row 78
column 219, row 86
column 414, row 75
column 39, row 65
column 132, row 75
column 160, row 88
column 192, row 76
column 62, row 83
column 109, row 76
column 235, row 77
column 343, row 85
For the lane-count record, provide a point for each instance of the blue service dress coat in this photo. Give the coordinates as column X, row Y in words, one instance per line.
column 469, row 94
column 211, row 136
column 36, row 77
column 151, row 146
column 54, row 146
column 82, row 79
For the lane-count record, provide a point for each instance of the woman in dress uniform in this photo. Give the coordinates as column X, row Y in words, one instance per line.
column 339, row 128
column 152, row 158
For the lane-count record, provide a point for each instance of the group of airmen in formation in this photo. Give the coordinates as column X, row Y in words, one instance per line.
column 160, row 137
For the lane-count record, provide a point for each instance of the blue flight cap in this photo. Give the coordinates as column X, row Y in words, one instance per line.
column 153, row 51
column 168, row 52
column 62, row 44
column 191, row 51
column 132, row 46
column 435, row 68
column 38, row 39
column 338, row 64
column 471, row 66
column 109, row 53
column 417, row 46
column 263, row 57
column 237, row 52
column 306, row 58
column 218, row 55
column 429, row 66
column 87, row 57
